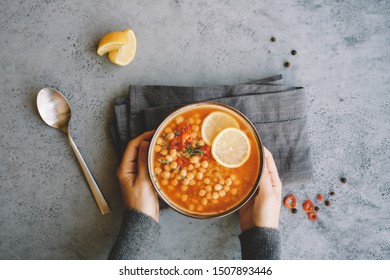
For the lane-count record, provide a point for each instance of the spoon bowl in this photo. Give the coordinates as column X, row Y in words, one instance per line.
column 55, row 111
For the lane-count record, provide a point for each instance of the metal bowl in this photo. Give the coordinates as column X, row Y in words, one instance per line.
column 171, row 117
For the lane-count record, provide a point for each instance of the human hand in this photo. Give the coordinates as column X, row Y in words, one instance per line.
column 264, row 208
column 137, row 189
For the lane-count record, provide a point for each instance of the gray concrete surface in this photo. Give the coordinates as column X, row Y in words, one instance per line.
column 343, row 61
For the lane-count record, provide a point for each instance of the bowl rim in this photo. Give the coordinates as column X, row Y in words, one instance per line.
column 160, row 194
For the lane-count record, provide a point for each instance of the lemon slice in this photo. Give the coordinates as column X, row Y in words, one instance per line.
column 124, row 55
column 112, row 41
column 231, row 148
column 214, row 123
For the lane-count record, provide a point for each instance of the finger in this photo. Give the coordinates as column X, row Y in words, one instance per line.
column 128, row 164
column 143, row 159
column 272, row 170
column 131, row 151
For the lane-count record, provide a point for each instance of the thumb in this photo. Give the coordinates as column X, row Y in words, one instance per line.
column 143, row 159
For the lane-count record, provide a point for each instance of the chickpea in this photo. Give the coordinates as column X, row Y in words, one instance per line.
column 228, row 182
column 209, row 195
column 202, row 193
column 215, row 195
column 199, row 208
column 199, row 176
column 169, row 158
column 173, row 153
column 218, row 187
column 190, row 167
column 191, row 121
column 157, row 170
column 209, row 188
column 178, row 177
column 195, row 127
column 194, row 159
column 201, row 142
column 168, row 130
column 207, row 181
column 201, row 169
column 186, row 182
column 190, row 176
column 226, row 189
column 173, row 165
column 184, row 188
column 172, row 175
column 164, row 152
column 183, row 172
column 179, row 119
column 233, row 176
column 184, row 197
column 194, row 134
column 157, row 148
column 198, row 121
column 167, row 168
column 204, row 164
column 233, row 191
column 191, row 207
column 175, row 182
column 222, row 182
column 222, row 193
column 203, row 201
column 192, row 182
column 237, row 182
column 166, row 174
column 159, row 141
column 164, row 182
column 197, row 165
column 170, row 136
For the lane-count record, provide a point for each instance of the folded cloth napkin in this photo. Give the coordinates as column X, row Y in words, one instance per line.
column 278, row 112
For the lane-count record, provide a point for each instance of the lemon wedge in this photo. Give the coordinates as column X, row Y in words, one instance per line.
column 125, row 54
column 231, row 148
column 112, row 41
column 214, row 123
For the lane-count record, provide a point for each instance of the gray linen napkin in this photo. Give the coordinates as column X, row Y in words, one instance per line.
column 278, row 112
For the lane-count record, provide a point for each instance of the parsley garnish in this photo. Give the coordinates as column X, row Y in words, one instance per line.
column 192, row 151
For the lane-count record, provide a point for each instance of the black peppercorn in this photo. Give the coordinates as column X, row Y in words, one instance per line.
column 332, row 193
column 317, row 208
column 287, row 64
column 273, row 39
column 293, row 52
column 327, row 203
column 343, row 180
column 294, row 210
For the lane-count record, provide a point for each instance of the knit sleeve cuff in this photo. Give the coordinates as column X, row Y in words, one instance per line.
column 137, row 237
column 260, row 244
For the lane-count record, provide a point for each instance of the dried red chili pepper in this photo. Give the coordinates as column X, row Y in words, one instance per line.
column 183, row 162
column 320, row 197
column 290, row 201
column 206, row 151
column 176, row 143
column 308, row 206
column 312, row 216
column 183, row 127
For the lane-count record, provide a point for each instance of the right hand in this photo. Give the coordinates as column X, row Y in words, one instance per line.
column 263, row 210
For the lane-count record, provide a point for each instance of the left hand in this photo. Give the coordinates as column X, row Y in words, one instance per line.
column 137, row 189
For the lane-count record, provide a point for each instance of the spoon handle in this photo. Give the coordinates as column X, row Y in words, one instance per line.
column 99, row 198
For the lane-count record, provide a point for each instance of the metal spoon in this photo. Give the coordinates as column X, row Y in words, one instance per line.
column 55, row 111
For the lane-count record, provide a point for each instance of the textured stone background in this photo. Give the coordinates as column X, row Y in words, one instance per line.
column 343, row 61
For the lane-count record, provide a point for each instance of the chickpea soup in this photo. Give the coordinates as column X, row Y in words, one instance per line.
column 205, row 160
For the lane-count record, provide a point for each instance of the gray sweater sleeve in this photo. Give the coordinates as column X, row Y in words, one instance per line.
column 137, row 237
column 260, row 244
